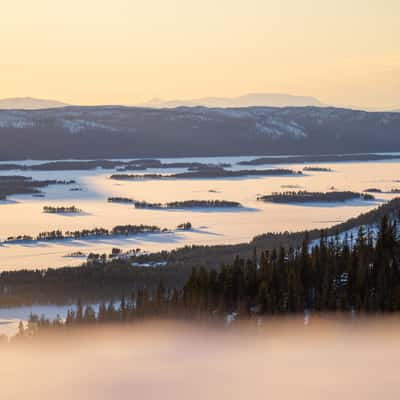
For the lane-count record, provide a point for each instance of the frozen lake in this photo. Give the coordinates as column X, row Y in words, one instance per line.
column 23, row 214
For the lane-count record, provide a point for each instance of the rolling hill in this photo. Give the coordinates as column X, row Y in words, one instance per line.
column 28, row 103
column 248, row 100
column 108, row 131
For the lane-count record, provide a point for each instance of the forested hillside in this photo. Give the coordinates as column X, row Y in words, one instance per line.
column 103, row 279
column 334, row 276
column 105, row 132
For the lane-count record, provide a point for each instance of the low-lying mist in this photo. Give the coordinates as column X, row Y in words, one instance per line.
column 326, row 359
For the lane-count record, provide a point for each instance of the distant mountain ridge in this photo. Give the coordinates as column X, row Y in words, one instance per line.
column 130, row 132
column 28, row 103
column 248, row 100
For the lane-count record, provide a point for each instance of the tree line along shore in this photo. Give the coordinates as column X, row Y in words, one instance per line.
column 119, row 230
column 153, row 163
column 209, row 173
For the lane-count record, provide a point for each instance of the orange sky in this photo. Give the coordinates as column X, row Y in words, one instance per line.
column 128, row 51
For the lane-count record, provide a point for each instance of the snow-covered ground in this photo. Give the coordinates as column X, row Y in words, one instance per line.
column 23, row 214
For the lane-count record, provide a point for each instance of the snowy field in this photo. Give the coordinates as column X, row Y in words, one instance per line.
column 23, row 214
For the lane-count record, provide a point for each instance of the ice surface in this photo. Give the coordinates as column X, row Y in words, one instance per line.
column 23, row 214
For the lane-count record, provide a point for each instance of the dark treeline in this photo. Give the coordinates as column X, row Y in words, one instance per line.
column 191, row 166
column 15, row 184
column 89, row 233
column 319, row 158
column 333, row 275
column 77, row 165
column 143, row 164
column 63, row 165
column 317, row 169
column 61, row 209
column 304, row 197
column 373, row 190
column 188, row 204
column 376, row 190
column 210, row 172
column 176, row 204
column 120, row 200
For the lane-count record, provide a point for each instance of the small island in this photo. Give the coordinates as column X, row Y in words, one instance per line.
column 188, row 204
column 120, row 200
column 317, row 169
column 308, row 197
column 373, row 190
column 62, row 210
column 184, row 204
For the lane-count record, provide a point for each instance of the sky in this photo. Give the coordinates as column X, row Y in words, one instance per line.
column 129, row 51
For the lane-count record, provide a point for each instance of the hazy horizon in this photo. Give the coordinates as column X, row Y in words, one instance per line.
column 129, row 52
column 265, row 99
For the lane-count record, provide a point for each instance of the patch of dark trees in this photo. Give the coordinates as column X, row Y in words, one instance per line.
column 185, row 226
column 63, row 165
column 306, row 197
column 120, row 200
column 61, row 209
column 317, row 169
column 376, row 190
column 335, row 275
column 119, row 230
column 373, row 190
